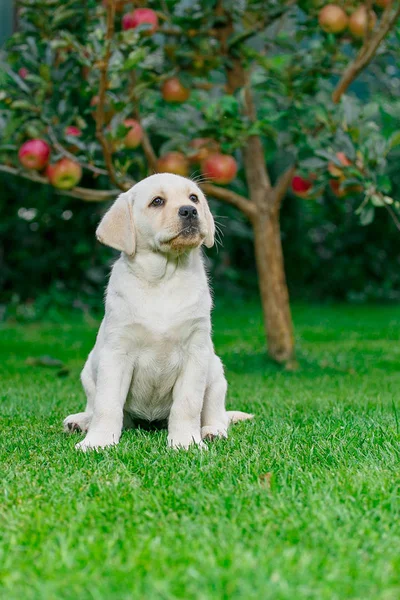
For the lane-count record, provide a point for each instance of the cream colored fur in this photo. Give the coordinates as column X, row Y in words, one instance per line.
column 153, row 357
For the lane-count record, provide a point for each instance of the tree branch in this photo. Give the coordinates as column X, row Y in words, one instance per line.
column 230, row 197
column 253, row 152
column 90, row 195
column 367, row 51
column 147, row 147
column 370, row 13
column 281, row 186
column 148, row 150
column 86, row 194
column 99, row 114
column 393, row 215
column 257, row 177
column 71, row 156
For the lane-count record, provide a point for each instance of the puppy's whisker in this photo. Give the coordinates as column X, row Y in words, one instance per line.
column 199, row 179
column 219, row 230
column 196, row 177
column 218, row 238
column 219, row 225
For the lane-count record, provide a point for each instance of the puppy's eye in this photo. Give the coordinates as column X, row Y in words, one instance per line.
column 157, row 201
column 194, row 198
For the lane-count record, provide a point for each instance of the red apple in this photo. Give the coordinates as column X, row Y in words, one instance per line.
column 201, row 148
column 64, row 174
column 23, row 72
column 220, row 168
column 34, row 154
column 72, row 130
column 359, row 22
column 173, row 162
column 301, row 187
column 332, row 19
column 174, row 91
column 140, row 16
column 382, row 3
column 134, row 136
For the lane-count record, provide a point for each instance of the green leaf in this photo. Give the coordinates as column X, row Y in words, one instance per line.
column 62, row 15
column 313, row 163
column 18, row 80
column 23, row 105
column 367, row 215
column 238, row 39
column 345, row 143
column 384, row 184
column 394, row 140
column 377, row 200
column 350, row 182
column 351, row 110
column 329, row 155
column 134, row 58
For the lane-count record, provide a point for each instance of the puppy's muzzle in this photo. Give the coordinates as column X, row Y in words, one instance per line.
column 189, row 218
column 188, row 214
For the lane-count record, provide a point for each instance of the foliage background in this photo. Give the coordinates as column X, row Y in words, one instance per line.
column 48, row 251
column 49, row 256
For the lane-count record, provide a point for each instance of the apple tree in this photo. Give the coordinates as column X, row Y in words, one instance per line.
column 255, row 98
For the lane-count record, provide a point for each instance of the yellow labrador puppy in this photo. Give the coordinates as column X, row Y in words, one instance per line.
column 153, row 358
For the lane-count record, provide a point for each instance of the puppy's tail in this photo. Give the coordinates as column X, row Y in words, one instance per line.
column 235, row 416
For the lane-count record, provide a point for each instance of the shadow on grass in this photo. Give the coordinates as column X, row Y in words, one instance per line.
column 259, row 363
column 250, row 362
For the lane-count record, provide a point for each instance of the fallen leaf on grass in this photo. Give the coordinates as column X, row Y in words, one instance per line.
column 265, row 480
column 44, row 361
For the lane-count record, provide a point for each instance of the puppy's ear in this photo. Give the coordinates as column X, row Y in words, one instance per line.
column 209, row 239
column 116, row 229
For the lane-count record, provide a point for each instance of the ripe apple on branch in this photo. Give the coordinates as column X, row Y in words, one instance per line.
column 64, row 174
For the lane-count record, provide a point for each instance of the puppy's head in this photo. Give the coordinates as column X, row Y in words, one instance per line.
column 165, row 213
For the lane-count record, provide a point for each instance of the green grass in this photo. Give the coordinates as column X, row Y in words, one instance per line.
column 301, row 503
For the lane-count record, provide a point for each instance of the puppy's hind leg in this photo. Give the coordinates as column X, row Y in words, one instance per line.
column 214, row 418
column 81, row 421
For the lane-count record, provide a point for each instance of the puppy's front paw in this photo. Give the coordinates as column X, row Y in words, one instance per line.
column 184, row 441
column 210, row 432
column 97, row 440
column 77, row 422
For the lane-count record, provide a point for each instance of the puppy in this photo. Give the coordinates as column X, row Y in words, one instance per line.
column 153, row 358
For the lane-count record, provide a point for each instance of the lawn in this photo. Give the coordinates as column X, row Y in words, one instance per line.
column 302, row 503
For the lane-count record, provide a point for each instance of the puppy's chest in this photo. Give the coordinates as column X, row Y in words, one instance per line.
column 161, row 346
column 156, row 369
column 160, row 328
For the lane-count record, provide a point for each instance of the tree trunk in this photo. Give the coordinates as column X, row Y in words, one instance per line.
column 273, row 287
column 265, row 204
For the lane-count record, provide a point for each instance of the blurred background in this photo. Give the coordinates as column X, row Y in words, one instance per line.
column 288, row 115
column 339, row 229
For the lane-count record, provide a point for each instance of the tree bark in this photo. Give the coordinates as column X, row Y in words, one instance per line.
column 273, row 287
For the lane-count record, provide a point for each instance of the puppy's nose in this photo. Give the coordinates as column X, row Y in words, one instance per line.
column 188, row 212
